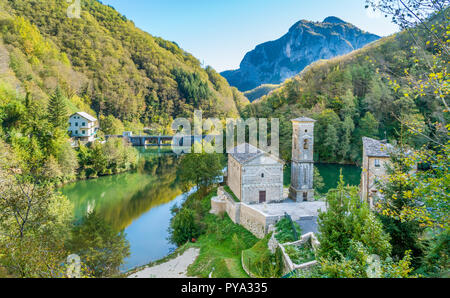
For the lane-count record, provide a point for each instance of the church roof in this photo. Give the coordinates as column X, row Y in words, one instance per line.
column 376, row 148
column 303, row 119
column 245, row 152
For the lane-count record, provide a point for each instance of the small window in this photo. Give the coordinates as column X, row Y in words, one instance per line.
column 76, row 132
column 84, row 123
column 377, row 163
column 305, row 145
column 306, row 130
column 262, row 175
column 76, row 123
column 84, row 132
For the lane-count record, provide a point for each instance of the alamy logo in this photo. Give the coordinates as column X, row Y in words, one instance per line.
column 74, row 9
column 207, row 135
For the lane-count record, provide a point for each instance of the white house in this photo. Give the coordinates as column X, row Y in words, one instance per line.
column 254, row 175
column 83, row 126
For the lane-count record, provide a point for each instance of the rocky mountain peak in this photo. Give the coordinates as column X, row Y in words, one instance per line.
column 334, row 20
column 306, row 42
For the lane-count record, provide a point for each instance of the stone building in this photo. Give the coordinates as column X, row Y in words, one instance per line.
column 302, row 171
column 255, row 176
column 375, row 158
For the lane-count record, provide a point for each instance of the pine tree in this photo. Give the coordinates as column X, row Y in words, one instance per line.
column 57, row 109
column 331, row 142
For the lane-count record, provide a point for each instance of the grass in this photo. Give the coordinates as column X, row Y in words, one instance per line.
column 285, row 231
column 220, row 249
column 228, row 190
column 261, row 262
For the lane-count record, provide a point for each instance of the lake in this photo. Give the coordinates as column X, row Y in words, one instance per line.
column 139, row 202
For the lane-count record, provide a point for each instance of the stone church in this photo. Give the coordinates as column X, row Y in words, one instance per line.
column 256, row 177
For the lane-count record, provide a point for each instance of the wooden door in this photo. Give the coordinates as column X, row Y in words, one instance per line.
column 262, row 196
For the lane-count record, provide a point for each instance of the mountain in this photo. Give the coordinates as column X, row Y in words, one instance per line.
column 275, row 61
column 105, row 64
column 368, row 92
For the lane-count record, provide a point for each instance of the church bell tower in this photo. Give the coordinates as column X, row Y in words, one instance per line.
column 302, row 172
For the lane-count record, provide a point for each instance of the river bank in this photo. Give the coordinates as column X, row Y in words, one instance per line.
column 175, row 266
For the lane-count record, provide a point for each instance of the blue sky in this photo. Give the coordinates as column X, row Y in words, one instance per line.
column 220, row 32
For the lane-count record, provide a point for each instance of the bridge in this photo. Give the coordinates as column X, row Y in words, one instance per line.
column 159, row 141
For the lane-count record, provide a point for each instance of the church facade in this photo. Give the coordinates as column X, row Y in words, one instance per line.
column 255, row 176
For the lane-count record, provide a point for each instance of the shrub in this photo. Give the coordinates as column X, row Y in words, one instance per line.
column 285, row 231
column 183, row 227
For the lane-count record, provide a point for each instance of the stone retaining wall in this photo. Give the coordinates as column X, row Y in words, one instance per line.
column 289, row 266
column 253, row 220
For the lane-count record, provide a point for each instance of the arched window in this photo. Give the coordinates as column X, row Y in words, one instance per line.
column 305, row 144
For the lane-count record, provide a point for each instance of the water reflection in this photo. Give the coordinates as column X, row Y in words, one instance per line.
column 138, row 202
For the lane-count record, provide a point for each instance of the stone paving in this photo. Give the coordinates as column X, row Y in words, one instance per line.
column 297, row 211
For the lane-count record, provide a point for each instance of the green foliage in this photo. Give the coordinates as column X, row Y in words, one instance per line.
column 436, row 259
column 183, row 227
column 103, row 61
column 348, row 219
column 261, row 262
column 112, row 157
column 364, row 93
column 285, row 230
column 34, row 220
column 57, row 110
column 301, row 254
column 318, row 181
column 101, row 248
column 200, row 169
column 228, row 190
column 360, row 264
column 110, row 125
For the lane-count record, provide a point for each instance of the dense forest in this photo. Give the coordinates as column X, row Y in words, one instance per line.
column 105, row 65
column 368, row 92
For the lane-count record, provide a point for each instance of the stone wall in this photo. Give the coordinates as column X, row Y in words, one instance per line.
column 289, row 266
column 234, row 176
column 263, row 177
column 253, row 220
column 370, row 174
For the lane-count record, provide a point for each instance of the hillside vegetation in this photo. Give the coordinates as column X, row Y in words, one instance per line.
column 106, row 65
column 364, row 93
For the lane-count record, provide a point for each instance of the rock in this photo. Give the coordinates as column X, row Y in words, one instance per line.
column 275, row 61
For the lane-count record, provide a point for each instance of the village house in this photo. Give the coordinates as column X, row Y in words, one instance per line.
column 83, row 127
column 254, row 175
column 375, row 158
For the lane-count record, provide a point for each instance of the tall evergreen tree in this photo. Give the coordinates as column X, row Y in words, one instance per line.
column 57, row 109
column 331, row 142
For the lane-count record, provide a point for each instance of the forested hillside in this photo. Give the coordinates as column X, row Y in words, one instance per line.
column 105, row 65
column 365, row 93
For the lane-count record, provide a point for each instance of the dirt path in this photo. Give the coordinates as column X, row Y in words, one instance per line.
column 176, row 268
